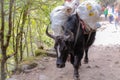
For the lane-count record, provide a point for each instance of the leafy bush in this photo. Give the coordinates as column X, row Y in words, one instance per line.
column 41, row 52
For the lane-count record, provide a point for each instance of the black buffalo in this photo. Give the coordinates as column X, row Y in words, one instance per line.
column 73, row 43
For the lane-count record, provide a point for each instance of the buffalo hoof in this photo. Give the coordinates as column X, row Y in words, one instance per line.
column 86, row 61
column 76, row 78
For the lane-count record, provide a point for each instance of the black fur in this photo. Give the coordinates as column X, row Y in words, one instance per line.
column 76, row 50
column 68, row 44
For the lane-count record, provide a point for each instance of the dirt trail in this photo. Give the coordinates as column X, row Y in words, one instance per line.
column 104, row 64
column 104, row 61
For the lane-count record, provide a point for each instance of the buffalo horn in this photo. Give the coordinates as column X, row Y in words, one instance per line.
column 50, row 35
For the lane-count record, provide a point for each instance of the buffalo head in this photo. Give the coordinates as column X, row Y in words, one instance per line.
column 61, row 47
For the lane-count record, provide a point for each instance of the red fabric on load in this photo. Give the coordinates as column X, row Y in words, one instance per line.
column 83, row 24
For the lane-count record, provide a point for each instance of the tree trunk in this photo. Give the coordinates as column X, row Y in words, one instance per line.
column 3, row 73
column 21, row 48
column 25, row 14
column 3, row 61
column 26, row 37
column 31, row 42
column 5, row 41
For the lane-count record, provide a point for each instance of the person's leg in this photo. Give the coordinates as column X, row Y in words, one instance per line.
column 116, row 24
column 109, row 19
column 105, row 17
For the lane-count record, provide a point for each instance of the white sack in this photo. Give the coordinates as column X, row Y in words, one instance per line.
column 89, row 12
column 73, row 4
column 58, row 17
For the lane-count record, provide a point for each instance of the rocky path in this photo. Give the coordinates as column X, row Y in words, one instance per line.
column 104, row 65
column 104, row 62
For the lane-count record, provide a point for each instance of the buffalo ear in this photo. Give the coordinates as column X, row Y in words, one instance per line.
column 69, row 36
column 66, row 37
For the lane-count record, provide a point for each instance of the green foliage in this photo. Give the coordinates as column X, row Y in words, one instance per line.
column 27, row 60
column 38, row 11
column 39, row 52
column 29, row 19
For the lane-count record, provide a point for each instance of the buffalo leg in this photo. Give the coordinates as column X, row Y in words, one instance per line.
column 86, row 60
column 77, row 63
column 76, row 67
column 89, row 39
column 72, row 59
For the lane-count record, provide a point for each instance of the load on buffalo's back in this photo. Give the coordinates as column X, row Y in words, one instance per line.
column 72, row 35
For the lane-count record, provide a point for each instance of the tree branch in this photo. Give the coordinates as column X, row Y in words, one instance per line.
column 10, row 23
column 2, row 24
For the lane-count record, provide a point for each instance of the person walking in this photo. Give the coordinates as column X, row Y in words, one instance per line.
column 116, row 21
column 119, row 15
column 111, row 18
column 106, row 13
